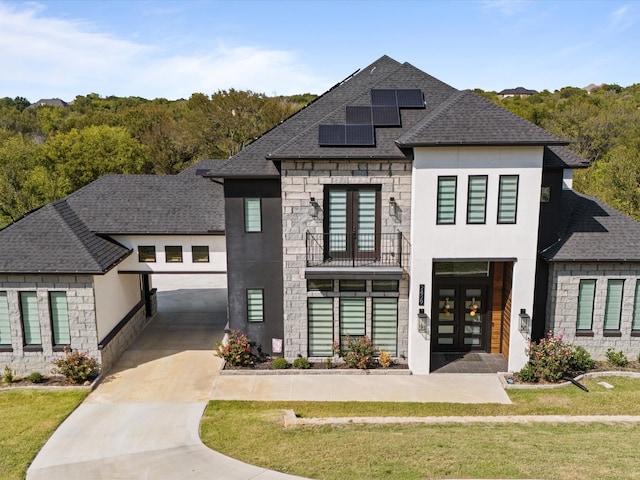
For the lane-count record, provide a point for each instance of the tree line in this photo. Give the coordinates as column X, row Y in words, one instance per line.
column 48, row 152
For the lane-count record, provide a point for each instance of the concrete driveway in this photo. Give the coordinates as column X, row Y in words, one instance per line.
column 142, row 421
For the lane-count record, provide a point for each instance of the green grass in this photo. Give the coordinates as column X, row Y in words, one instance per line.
column 253, row 432
column 27, row 420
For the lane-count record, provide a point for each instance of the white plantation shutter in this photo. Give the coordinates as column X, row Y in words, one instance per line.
column 255, row 305
column 635, row 325
column 477, row 199
column 252, row 215
column 384, row 324
column 586, row 295
column 366, row 220
column 320, row 315
column 352, row 318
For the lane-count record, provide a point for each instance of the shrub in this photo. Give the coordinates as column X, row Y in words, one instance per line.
column 385, row 359
column 280, row 363
column 617, row 358
column 580, row 360
column 550, row 358
column 237, row 351
column 329, row 363
column 360, row 352
column 35, row 377
column 527, row 374
column 7, row 374
column 301, row 363
column 77, row 367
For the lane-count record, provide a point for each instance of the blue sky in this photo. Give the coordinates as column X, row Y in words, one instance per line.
column 171, row 49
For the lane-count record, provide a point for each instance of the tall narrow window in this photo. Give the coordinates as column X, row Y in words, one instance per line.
column 508, row 199
column 352, row 318
column 613, row 309
column 446, row 208
column 30, row 318
column 59, row 318
column 635, row 323
column 586, row 296
column 477, row 199
column 337, row 220
column 384, row 324
column 255, row 305
column 320, row 315
column 5, row 327
column 366, row 220
column 252, row 215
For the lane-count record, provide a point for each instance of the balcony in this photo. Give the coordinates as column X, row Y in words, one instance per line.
column 368, row 252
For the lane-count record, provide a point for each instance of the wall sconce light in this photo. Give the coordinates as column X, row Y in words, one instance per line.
column 423, row 323
column 525, row 321
column 313, row 207
column 393, row 207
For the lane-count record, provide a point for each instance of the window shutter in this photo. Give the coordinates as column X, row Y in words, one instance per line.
column 59, row 318
column 255, row 305
column 30, row 318
column 337, row 220
column 384, row 324
column 446, row 209
column 252, row 216
column 366, row 220
column 5, row 327
column 614, row 305
column 586, row 295
column 477, row 199
column 508, row 199
column 320, row 315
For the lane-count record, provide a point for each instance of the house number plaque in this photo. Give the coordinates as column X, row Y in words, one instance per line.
column 421, row 295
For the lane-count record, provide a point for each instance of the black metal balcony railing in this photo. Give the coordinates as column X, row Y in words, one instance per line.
column 357, row 250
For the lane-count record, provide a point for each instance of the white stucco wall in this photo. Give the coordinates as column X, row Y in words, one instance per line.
column 217, row 253
column 115, row 296
column 490, row 241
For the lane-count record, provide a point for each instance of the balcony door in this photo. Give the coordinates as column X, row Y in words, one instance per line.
column 352, row 222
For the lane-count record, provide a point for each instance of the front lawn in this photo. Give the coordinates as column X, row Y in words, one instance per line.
column 252, row 432
column 27, row 419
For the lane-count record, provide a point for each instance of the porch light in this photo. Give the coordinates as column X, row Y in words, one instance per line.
column 525, row 321
column 313, row 207
column 423, row 322
column 393, row 207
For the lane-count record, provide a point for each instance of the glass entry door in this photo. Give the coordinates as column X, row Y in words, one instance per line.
column 460, row 317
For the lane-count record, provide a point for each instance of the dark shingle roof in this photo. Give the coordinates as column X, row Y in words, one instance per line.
column 517, row 91
column 466, row 118
column 53, row 239
column 561, row 157
column 594, row 232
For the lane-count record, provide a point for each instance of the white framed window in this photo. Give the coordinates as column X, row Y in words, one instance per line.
column 255, row 305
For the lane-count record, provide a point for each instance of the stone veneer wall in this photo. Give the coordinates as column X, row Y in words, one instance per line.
column 82, row 320
column 562, row 305
column 302, row 180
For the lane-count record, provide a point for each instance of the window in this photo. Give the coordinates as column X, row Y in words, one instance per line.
column 613, row 309
column 352, row 285
column 446, row 209
column 545, row 194
column 5, row 326
column 477, row 199
column 508, row 199
column 635, row 322
column 30, row 318
column 320, row 315
column 323, row 285
column 252, row 215
column 384, row 285
column 173, row 254
column 200, row 254
column 255, row 305
column 384, row 324
column 352, row 319
column 586, row 296
column 59, row 318
column 147, row 254
column 353, row 221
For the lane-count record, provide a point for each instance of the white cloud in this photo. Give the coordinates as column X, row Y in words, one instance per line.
column 622, row 18
column 50, row 57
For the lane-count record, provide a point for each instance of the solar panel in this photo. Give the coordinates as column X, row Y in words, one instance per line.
column 410, row 98
column 360, row 135
column 331, row 135
column 386, row 116
column 383, row 97
column 360, row 115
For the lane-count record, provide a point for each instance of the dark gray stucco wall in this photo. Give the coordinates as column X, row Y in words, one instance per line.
column 254, row 259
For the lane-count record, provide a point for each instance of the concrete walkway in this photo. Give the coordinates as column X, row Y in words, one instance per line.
column 142, row 421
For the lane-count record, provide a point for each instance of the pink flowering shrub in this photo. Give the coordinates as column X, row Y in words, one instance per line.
column 237, row 351
column 551, row 358
column 77, row 367
column 360, row 352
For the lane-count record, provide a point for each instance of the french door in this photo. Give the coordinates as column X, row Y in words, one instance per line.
column 460, row 317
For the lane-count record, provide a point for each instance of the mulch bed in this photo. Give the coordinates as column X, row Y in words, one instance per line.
column 268, row 365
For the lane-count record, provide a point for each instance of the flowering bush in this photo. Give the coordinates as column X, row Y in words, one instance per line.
column 385, row 359
column 237, row 351
column 77, row 367
column 360, row 352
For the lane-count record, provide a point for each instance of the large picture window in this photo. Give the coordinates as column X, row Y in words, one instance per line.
column 508, row 199
column 5, row 326
column 320, row 316
column 613, row 308
column 446, row 201
column 59, row 318
column 252, row 215
column 30, row 318
column 477, row 199
column 586, row 297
